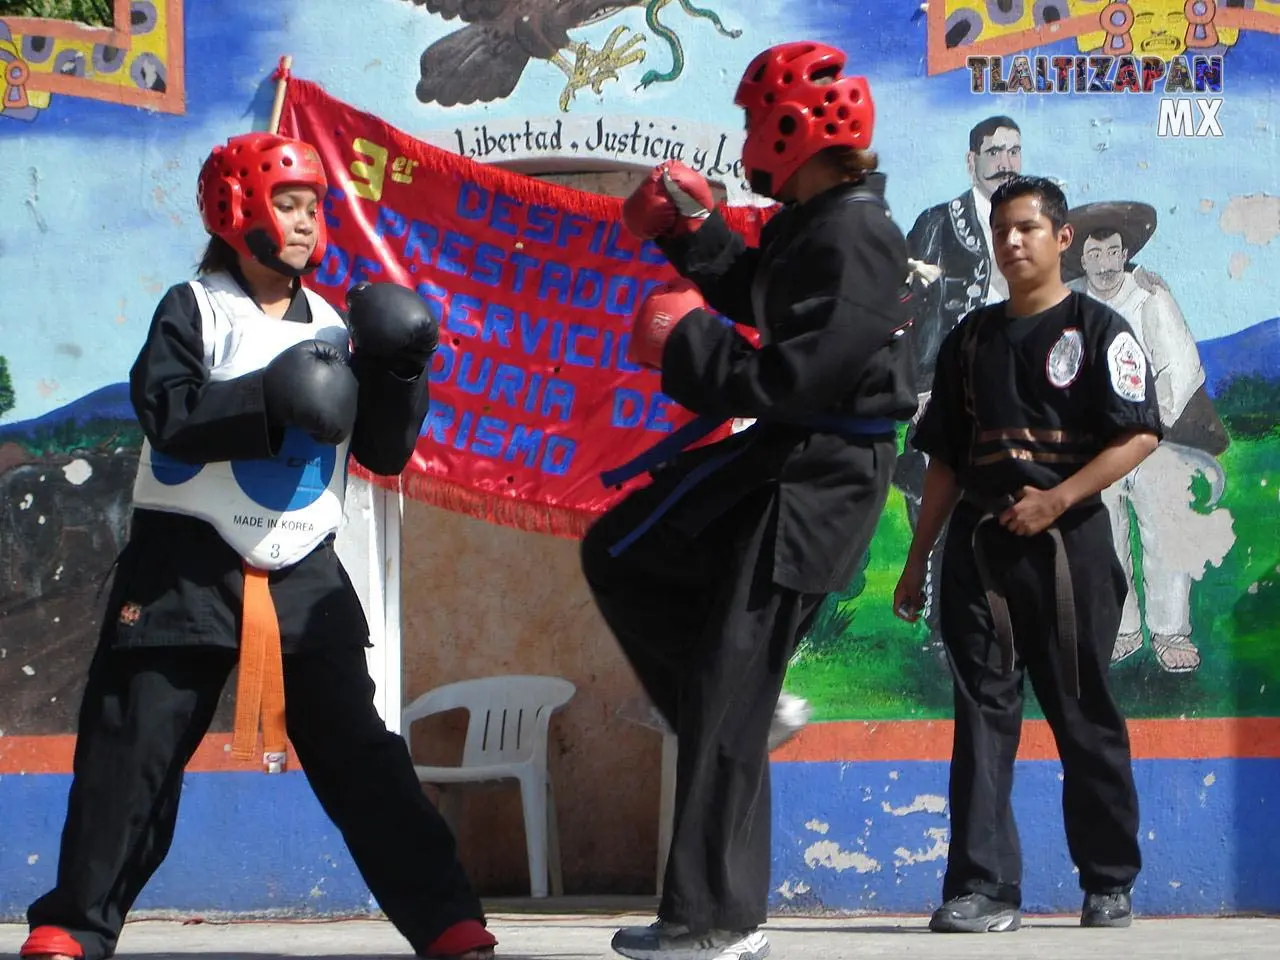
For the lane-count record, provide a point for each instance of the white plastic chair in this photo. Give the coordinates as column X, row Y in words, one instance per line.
column 507, row 723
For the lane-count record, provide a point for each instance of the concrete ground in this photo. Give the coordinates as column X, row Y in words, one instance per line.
column 585, row 936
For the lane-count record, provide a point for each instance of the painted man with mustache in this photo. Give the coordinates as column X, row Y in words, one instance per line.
column 954, row 238
column 1179, row 540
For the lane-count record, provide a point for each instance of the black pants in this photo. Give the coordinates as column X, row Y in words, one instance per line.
column 1099, row 800
column 143, row 715
column 709, row 635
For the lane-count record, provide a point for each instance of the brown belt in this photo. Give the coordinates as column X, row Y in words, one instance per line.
column 1064, row 594
column 260, row 686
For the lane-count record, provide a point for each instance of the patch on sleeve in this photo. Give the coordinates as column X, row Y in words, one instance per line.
column 1128, row 366
column 1064, row 360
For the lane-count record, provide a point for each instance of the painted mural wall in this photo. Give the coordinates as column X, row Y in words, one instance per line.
column 1177, row 204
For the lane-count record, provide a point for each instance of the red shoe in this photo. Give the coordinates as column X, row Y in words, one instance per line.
column 50, row 942
column 463, row 938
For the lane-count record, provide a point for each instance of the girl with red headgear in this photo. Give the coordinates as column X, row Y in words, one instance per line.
column 710, row 575
column 251, row 392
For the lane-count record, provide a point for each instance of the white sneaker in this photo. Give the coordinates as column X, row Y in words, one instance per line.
column 790, row 716
column 664, row 940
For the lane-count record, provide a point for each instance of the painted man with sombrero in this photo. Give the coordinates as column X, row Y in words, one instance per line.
column 1177, row 541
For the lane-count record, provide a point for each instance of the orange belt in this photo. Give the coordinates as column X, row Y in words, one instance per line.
column 260, row 687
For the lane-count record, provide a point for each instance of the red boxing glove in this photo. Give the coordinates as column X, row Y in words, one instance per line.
column 658, row 315
column 673, row 200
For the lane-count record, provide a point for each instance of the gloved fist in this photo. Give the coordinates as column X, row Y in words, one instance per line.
column 673, row 200
column 392, row 325
column 311, row 386
column 657, row 316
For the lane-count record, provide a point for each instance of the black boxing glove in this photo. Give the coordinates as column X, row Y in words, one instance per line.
column 311, row 386
column 393, row 326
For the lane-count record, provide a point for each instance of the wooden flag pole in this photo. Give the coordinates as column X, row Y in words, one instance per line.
column 282, row 80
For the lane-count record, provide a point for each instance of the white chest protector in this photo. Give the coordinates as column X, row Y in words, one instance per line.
column 275, row 511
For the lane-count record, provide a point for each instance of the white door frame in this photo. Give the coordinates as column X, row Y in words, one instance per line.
column 369, row 547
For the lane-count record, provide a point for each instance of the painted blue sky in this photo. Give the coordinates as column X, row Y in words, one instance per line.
column 101, row 206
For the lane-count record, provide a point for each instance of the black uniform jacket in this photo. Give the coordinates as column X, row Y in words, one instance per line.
column 177, row 581
column 950, row 237
column 1029, row 401
column 825, row 290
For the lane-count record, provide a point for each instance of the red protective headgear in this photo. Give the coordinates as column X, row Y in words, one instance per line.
column 234, row 193
column 791, row 116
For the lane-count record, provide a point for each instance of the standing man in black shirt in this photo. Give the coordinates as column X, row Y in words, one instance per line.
column 709, row 575
column 250, row 400
column 1039, row 403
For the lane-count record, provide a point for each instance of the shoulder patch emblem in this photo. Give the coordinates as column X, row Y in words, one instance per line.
column 1127, row 364
column 1065, row 358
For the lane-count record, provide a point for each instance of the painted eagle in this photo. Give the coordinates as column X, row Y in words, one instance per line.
column 484, row 60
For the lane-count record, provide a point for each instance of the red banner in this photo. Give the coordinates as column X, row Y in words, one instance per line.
column 537, row 284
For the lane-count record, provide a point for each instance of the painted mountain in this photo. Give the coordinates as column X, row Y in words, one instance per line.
column 1242, row 375
column 107, row 407
column 1254, row 351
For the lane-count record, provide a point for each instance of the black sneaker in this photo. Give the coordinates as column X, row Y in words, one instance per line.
column 975, row 913
column 1106, row 910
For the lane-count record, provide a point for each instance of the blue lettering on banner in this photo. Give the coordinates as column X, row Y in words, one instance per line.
column 630, row 410
column 388, row 223
column 503, row 382
column 460, row 307
column 571, row 225
column 501, row 218
column 488, row 265
column 611, row 248
column 473, row 200
column 447, row 260
column 531, row 335
column 474, row 383
column 583, row 288
column 364, row 269
column 571, row 355
column 549, row 225
column 588, row 288
column 495, row 438
column 542, row 223
column 331, row 198
column 621, row 286
column 650, row 253
column 423, row 238
column 623, row 364
column 499, row 321
column 523, row 262
column 334, row 267
column 557, row 277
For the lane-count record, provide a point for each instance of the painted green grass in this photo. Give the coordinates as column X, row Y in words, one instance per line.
column 862, row 663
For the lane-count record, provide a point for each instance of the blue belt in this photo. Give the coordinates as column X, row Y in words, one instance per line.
column 693, row 431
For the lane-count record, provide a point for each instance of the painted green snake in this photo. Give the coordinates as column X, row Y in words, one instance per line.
column 652, row 7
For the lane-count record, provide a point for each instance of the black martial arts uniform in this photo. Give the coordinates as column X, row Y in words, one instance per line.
column 709, row 599
column 1028, row 402
column 156, row 678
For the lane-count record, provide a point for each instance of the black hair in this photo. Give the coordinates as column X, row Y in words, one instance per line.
column 988, row 127
column 218, row 255
column 1053, row 202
